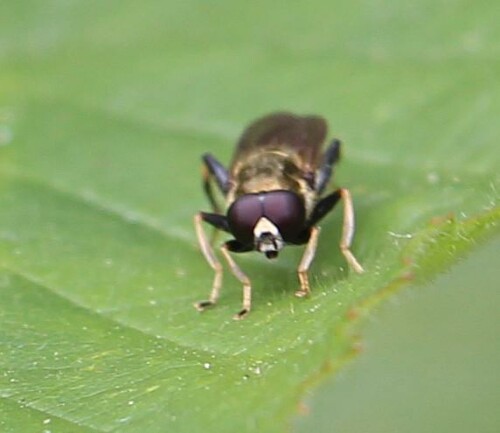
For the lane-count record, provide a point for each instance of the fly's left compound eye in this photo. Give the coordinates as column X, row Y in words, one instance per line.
column 286, row 210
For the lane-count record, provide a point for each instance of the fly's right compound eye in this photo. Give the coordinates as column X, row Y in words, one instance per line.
column 242, row 216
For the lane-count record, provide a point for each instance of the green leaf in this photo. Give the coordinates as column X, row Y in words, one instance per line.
column 105, row 109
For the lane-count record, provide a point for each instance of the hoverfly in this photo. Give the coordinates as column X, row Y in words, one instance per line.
column 274, row 197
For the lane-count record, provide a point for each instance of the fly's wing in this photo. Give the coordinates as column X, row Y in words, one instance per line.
column 301, row 134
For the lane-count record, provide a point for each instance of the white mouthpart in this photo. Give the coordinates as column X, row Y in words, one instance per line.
column 266, row 226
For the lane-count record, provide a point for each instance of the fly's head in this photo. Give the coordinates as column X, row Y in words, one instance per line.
column 267, row 221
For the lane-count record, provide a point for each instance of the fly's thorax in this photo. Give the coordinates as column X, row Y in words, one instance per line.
column 267, row 170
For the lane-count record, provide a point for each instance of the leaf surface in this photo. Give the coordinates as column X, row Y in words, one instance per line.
column 105, row 109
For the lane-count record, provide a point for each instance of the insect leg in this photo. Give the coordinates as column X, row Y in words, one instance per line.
column 324, row 206
column 247, row 288
column 216, row 220
column 348, row 231
column 330, row 157
column 305, row 263
column 213, row 169
column 209, row 254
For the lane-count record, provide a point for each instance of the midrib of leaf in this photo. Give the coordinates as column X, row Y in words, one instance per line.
column 97, row 204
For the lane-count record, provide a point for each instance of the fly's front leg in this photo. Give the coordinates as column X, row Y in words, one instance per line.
column 209, row 254
column 348, row 231
column 214, row 170
column 305, row 263
column 330, row 158
column 247, row 288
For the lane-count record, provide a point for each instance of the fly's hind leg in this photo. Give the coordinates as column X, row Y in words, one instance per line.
column 209, row 254
column 348, row 231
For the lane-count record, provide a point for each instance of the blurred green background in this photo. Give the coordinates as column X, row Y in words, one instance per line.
column 429, row 360
column 105, row 109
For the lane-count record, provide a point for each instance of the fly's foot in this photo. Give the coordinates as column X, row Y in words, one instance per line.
column 242, row 314
column 203, row 305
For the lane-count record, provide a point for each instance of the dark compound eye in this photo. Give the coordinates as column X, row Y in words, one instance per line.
column 286, row 210
column 242, row 216
column 283, row 208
